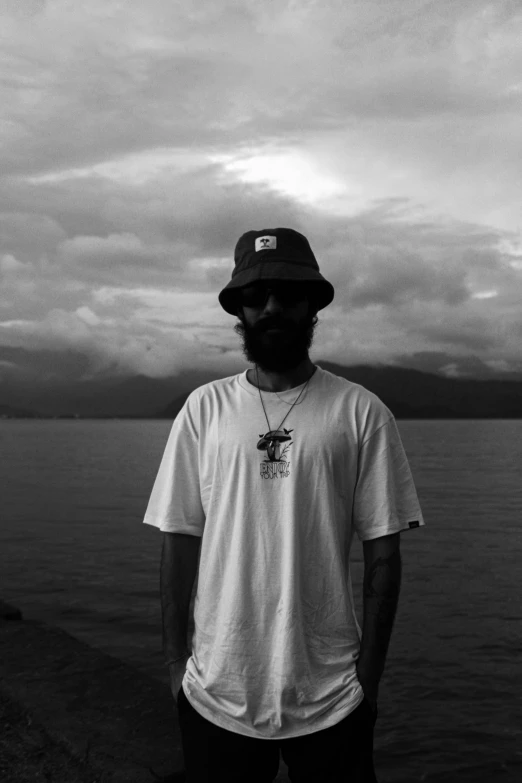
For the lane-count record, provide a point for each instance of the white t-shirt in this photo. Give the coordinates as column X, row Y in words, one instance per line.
column 276, row 638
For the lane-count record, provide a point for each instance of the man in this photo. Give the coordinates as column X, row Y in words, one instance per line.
column 278, row 663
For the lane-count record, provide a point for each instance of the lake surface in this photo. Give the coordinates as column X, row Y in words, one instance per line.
column 75, row 553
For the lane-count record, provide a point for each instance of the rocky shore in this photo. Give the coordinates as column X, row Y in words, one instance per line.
column 69, row 713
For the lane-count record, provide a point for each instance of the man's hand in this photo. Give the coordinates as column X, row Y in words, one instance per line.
column 177, row 672
column 370, row 689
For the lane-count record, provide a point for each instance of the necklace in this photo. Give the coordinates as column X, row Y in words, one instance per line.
column 262, row 403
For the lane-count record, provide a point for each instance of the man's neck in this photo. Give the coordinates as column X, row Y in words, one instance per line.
column 281, row 381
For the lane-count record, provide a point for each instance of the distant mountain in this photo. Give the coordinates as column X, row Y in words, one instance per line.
column 135, row 396
column 411, row 394
column 172, row 410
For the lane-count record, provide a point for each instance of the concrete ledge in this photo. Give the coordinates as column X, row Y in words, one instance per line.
column 29, row 755
column 103, row 712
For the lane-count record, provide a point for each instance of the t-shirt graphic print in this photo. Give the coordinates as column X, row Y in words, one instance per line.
column 276, row 443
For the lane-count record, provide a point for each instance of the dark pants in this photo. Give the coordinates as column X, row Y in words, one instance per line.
column 339, row 754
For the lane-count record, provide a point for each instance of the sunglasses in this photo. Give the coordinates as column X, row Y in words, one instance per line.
column 287, row 294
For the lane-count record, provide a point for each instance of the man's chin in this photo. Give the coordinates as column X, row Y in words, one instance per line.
column 274, row 353
column 275, row 334
column 279, row 363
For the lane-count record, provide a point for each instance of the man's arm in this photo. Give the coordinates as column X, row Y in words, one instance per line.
column 381, row 587
column 179, row 565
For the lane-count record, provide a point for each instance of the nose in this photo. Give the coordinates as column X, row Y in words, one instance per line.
column 272, row 304
column 273, row 312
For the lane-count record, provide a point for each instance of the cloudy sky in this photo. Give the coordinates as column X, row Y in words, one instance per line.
column 139, row 140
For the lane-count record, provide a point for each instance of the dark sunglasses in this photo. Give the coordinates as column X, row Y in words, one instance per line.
column 287, row 294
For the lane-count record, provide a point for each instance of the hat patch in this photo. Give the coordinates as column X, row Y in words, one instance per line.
column 265, row 243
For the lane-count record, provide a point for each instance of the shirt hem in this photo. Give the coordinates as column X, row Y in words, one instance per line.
column 228, row 726
column 166, row 528
column 386, row 530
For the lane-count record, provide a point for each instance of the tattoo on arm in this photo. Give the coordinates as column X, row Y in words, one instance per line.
column 381, row 586
column 382, row 582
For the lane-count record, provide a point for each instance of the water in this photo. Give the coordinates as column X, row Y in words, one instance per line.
column 74, row 552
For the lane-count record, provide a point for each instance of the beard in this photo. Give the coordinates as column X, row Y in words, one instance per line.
column 277, row 351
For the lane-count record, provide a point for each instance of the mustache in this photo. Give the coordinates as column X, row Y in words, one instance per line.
column 271, row 325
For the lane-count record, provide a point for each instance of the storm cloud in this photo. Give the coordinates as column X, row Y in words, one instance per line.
column 139, row 141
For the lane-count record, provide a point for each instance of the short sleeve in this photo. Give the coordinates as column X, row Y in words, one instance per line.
column 385, row 498
column 175, row 502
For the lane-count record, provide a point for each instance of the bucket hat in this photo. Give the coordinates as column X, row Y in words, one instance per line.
column 275, row 254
